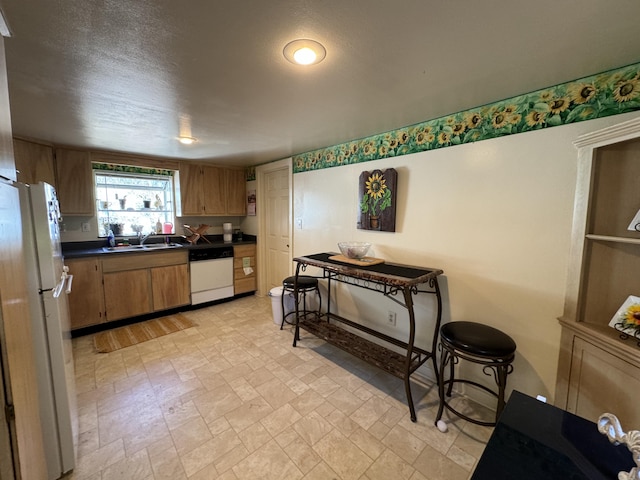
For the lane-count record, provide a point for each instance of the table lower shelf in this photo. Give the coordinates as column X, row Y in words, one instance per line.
column 377, row 355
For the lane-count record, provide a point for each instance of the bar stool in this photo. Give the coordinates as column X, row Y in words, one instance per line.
column 476, row 343
column 306, row 284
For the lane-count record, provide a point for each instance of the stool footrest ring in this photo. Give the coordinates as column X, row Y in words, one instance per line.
column 462, row 415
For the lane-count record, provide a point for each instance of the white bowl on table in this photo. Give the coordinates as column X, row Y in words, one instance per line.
column 354, row 250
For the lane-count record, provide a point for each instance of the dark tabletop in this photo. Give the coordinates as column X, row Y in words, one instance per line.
column 537, row 441
column 387, row 273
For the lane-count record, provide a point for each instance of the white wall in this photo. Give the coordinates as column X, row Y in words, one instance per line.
column 495, row 216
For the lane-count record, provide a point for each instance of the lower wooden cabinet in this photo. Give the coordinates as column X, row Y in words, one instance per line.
column 244, row 256
column 109, row 288
column 170, row 286
column 600, row 381
column 127, row 293
column 86, row 300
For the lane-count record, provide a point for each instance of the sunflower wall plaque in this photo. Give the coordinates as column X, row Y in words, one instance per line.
column 378, row 200
column 627, row 318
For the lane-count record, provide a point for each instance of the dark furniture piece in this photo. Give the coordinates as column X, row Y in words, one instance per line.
column 391, row 280
column 476, row 343
column 533, row 440
column 302, row 285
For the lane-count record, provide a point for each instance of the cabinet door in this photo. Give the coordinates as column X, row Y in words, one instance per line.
column 34, row 162
column 214, row 193
column 127, row 293
column 236, row 188
column 74, row 180
column 191, row 189
column 243, row 283
column 601, row 382
column 86, row 300
column 170, row 286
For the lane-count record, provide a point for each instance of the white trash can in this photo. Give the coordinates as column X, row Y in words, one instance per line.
column 276, row 304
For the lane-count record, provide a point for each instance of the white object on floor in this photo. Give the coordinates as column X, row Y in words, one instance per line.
column 442, row 426
column 541, row 398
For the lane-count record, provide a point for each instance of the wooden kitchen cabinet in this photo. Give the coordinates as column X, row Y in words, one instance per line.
column 74, row 181
column 86, row 300
column 136, row 284
column 127, row 294
column 170, row 286
column 211, row 190
column 34, row 162
column 236, row 191
column 244, row 255
column 201, row 189
column 598, row 368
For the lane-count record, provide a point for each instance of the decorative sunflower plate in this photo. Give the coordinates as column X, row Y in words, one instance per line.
column 627, row 318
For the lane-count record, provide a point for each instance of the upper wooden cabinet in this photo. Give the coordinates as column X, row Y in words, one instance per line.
column 211, row 190
column 74, row 181
column 599, row 368
column 34, row 162
column 236, row 189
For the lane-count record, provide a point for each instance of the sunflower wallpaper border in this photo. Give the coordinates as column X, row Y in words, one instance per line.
column 377, row 194
column 601, row 95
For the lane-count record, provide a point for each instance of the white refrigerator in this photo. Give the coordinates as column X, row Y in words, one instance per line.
column 49, row 282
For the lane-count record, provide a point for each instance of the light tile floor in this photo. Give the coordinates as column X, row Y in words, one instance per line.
column 232, row 399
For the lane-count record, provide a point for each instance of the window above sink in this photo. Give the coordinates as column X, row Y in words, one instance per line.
column 132, row 200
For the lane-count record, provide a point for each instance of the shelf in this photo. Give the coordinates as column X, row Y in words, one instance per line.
column 133, row 210
column 372, row 353
column 607, row 338
column 613, row 239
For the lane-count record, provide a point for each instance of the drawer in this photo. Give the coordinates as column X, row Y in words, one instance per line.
column 244, row 251
column 243, row 285
column 134, row 261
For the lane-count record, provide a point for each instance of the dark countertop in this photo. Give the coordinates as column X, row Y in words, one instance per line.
column 95, row 247
column 534, row 440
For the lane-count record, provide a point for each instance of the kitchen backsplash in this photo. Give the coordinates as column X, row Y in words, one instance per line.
column 81, row 229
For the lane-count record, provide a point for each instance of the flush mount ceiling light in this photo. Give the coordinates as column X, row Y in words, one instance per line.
column 304, row 52
column 186, row 140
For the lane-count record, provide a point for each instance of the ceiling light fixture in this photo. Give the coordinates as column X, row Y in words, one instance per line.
column 304, row 52
column 186, row 140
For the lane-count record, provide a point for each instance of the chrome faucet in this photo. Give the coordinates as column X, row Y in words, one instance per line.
column 143, row 238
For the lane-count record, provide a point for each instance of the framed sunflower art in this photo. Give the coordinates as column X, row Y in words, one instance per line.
column 627, row 318
column 377, row 191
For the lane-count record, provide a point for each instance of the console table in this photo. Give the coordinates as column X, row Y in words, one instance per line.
column 391, row 280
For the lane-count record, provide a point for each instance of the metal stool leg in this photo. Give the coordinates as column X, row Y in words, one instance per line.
column 502, row 371
column 284, row 292
column 444, row 358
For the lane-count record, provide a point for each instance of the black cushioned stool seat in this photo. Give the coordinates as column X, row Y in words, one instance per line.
column 305, row 284
column 480, row 344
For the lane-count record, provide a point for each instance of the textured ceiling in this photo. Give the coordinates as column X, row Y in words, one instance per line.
column 130, row 75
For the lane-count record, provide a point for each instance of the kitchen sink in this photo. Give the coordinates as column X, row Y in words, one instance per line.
column 142, row 248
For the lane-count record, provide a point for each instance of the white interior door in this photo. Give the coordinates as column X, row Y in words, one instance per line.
column 274, row 225
column 277, row 223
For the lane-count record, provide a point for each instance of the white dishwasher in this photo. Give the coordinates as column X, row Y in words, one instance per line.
column 211, row 273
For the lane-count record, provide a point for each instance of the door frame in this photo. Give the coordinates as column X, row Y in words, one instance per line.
column 261, row 172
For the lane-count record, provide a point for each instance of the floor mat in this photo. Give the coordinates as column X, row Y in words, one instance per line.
column 122, row 337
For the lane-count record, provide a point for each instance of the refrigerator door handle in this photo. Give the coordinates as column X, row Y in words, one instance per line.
column 63, row 278
column 69, row 283
column 58, row 288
